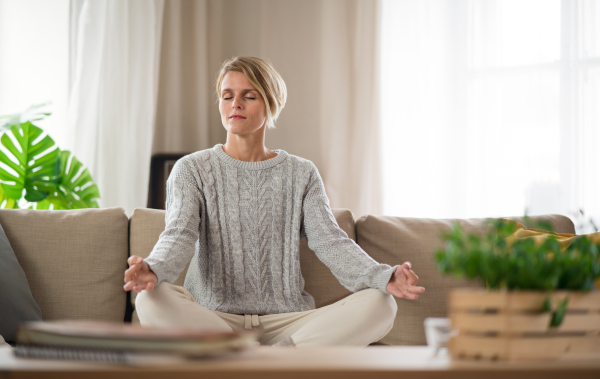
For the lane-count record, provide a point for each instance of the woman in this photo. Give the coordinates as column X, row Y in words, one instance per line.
column 238, row 211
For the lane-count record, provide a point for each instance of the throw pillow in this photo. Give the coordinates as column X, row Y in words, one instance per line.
column 538, row 235
column 16, row 301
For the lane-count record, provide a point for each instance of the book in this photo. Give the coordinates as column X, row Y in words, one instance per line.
column 105, row 341
column 78, row 354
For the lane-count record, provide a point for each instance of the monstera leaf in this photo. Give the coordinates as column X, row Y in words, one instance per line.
column 6, row 202
column 75, row 190
column 33, row 113
column 32, row 163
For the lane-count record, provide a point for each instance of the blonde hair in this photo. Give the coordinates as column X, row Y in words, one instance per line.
column 264, row 78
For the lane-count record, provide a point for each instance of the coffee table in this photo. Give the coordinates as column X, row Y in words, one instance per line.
column 406, row 362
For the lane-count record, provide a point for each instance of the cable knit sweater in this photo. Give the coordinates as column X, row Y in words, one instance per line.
column 240, row 223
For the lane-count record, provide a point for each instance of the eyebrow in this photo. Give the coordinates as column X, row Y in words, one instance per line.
column 244, row 90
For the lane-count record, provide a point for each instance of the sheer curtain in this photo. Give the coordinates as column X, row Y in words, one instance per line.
column 115, row 48
column 349, row 127
column 489, row 108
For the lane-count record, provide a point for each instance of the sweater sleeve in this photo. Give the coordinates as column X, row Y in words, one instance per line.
column 350, row 264
column 176, row 244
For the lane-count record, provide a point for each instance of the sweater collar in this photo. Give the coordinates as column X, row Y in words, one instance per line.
column 281, row 156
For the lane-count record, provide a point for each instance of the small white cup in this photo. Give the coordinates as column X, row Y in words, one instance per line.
column 438, row 331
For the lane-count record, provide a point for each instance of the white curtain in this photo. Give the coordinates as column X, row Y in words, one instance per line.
column 114, row 82
column 349, row 99
column 490, row 108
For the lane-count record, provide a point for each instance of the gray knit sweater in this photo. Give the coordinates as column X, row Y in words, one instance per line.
column 240, row 223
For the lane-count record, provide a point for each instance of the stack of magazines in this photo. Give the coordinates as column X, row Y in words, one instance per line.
column 116, row 342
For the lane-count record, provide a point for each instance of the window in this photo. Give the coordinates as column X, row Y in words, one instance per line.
column 34, row 64
column 490, row 108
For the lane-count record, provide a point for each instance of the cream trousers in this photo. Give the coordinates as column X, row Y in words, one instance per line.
column 357, row 320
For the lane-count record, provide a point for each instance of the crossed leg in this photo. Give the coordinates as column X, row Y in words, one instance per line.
column 357, row 320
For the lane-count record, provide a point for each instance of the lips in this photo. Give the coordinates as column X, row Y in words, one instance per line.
column 237, row 117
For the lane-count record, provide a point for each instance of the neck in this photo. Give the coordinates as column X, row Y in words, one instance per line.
column 247, row 148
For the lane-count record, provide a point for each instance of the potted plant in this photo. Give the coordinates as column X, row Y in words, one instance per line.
column 540, row 301
column 35, row 173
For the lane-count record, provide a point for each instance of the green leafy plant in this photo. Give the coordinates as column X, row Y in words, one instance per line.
column 505, row 262
column 33, row 113
column 35, row 172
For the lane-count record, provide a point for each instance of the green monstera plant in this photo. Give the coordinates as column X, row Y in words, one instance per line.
column 35, row 173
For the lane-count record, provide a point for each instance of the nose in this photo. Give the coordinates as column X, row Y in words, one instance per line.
column 236, row 103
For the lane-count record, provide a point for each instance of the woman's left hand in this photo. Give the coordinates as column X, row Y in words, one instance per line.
column 402, row 283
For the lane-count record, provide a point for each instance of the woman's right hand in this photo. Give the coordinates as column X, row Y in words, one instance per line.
column 139, row 276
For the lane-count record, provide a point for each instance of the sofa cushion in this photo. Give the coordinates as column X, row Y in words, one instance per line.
column 16, row 300
column 394, row 240
column 145, row 226
column 560, row 224
column 74, row 260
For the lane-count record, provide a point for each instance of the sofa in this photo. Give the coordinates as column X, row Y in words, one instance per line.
column 74, row 260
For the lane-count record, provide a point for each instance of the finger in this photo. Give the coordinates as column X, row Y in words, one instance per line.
column 150, row 287
column 132, row 269
column 415, row 289
column 139, row 287
column 409, row 271
column 130, row 272
column 398, row 294
column 411, row 276
column 407, row 265
column 128, row 276
column 128, row 286
column 403, row 273
column 409, row 295
column 132, row 260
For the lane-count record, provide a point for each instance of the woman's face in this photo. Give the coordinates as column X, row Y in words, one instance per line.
column 242, row 108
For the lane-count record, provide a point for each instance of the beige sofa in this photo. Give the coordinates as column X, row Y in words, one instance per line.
column 74, row 260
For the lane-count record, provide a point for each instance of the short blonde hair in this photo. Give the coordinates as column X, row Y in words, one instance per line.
column 264, row 78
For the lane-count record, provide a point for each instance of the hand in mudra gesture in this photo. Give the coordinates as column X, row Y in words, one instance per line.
column 139, row 276
column 402, row 283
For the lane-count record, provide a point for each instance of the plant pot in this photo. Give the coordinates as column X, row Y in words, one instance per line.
column 510, row 325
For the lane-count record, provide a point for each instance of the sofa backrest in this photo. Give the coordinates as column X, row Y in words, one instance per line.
column 391, row 240
column 145, row 226
column 73, row 260
column 394, row 240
